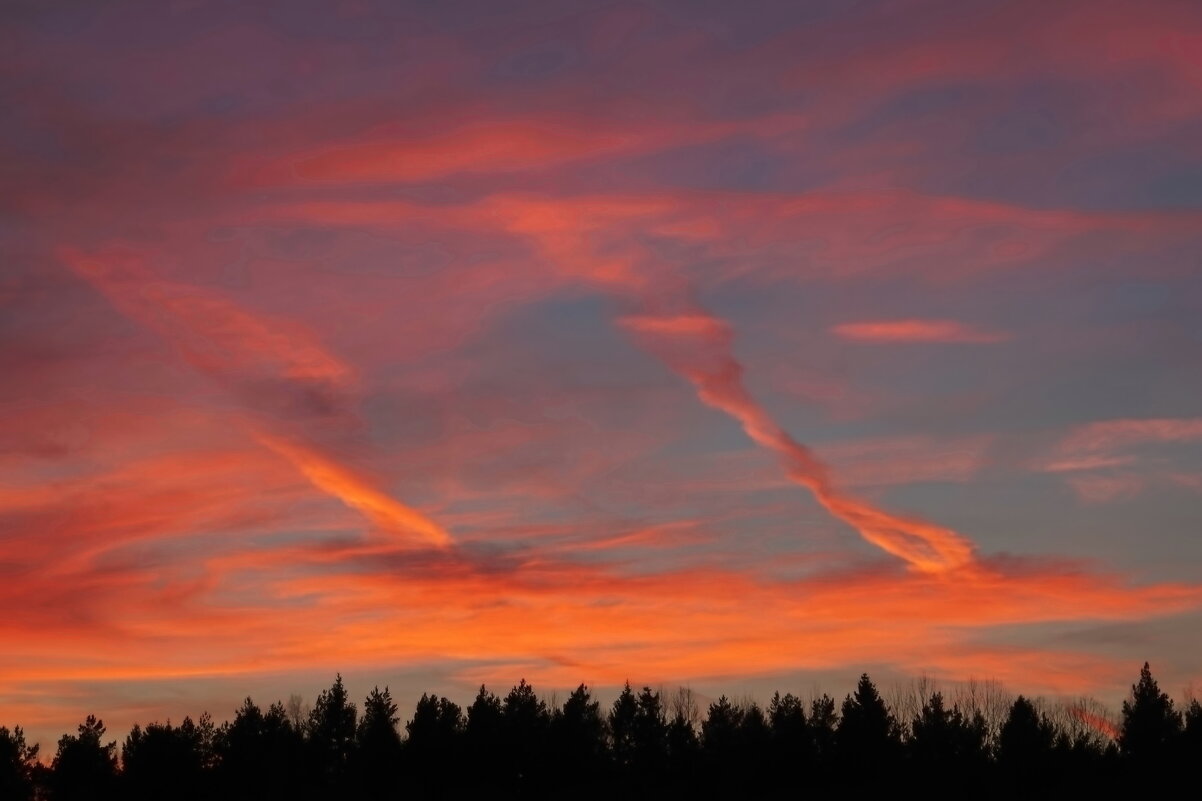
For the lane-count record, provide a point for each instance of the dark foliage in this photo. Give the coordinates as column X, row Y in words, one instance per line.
column 259, row 754
column 868, row 740
column 647, row 746
column 18, row 765
column 163, row 761
column 1150, row 724
column 84, row 767
column 378, row 746
column 331, row 736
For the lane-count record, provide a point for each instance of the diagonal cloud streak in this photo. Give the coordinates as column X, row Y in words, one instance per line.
column 245, row 351
column 338, row 481
column 698, row 346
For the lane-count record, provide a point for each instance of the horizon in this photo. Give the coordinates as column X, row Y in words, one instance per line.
column 449, row 344
column 1102, row 719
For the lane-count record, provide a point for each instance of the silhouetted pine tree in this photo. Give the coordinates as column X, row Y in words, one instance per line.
column 258, row 755
column 1150, row 724
column 377, row 747
column 822, row 724
column 84, row 767
column 1191, row 741
column 165, row 761
column 754, row 750
column 434, row 749
column 1024, row 748
column 792, row 743
column 650, row 743
column 946, row 748
column 578, row 746
column 867, row 739
column 18, row 761
column 331, row 736
column 483, row 740
column 621, row 721
column 526, row 724
column 720, row 744
column 684, row 755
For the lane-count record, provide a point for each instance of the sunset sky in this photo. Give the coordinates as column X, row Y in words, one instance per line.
column 745, row 345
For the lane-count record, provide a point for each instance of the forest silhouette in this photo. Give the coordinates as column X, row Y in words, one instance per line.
column 647, row 744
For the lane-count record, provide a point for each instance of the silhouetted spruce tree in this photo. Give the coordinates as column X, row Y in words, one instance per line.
column 946, row 746
column 1079, row 760
column 525, row 723
column 720, row 743
column 483, row 740
column 433, row 749
column 260, row 755
column 720, row 729
column 84, row 767
column 753, row 754
column 792, row 745
column 650, row 741
column 621, row 727
column 684, row 755
column 1024, row 747
column 868, row 739
column 1150, row 724
column 578, row 745
column 377, row 755
column 331, row 736
column 1191, row 741
column 18, row 762
column 822, row 724
column 165, row 761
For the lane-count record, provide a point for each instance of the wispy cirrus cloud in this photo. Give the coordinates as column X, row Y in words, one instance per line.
column 259, row 358
column 917, row 331
column 364, row 309
column 1110, row 460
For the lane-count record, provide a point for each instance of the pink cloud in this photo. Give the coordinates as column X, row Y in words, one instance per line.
column 1100, row 459
column 916, row 331
column 1110, row 435
column 1094, row 489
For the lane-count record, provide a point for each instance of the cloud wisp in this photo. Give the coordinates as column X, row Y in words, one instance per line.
column 916, row 331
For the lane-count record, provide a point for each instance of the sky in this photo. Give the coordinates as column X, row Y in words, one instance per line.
column 744, row 346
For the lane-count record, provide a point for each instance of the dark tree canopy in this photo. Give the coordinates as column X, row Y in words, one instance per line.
column 1150, row 723
column 378, row 746
column 867, row 733
column 1192, row 740
column 331, row 733
column 18, row 762
column 164, row 760
column 85, row 766
column 946, row 741
column 648, row 746
column 258, row 752
column 579, row 727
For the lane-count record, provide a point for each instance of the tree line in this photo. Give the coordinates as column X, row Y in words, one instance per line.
column 645, row 745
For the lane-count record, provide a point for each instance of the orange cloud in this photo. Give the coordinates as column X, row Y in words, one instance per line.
column 356, row 493
column 938, row 331
column 699, row 349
